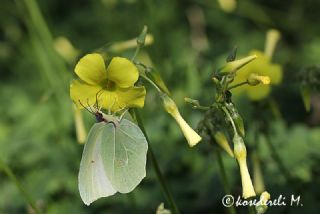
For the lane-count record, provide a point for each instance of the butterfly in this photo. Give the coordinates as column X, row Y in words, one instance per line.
column 113, row 159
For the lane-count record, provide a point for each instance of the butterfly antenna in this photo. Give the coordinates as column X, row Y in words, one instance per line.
column 109, row 110
column 91, row 112
column 89, row 105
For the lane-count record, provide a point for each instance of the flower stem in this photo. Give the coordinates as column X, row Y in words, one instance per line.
column 136, row 52
column 156, row 167
column 230, row 119
column 278, row 160
column 224, row 179
column 237, row 85
column 6, row 169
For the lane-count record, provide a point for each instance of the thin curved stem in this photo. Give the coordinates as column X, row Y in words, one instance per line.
column 237, row 85
column 231, row 120
column 156, row 167
column 224, row 179
column 6, row 169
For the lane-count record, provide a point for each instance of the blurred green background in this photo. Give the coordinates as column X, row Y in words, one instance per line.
column 191, row 39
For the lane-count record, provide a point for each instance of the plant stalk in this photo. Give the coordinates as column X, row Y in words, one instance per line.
column 6, row 169
column 224, row 179
column 156, row 167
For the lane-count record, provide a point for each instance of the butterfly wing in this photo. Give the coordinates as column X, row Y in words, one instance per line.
column 125, row 157
column 93, row 181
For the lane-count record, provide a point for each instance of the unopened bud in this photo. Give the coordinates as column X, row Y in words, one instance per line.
column 80, row 129
column 262, row 206
column 240, row 152
column 273, row 37
column 223, row 142
column 227, row 5
column 142, row 37
column 170, row 106
column 194, row 103
column 237, row 64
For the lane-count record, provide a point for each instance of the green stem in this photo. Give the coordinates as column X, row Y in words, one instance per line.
column 156, row 167
column 133, row 203
column 136, row 52
column 152, row 83
column 237, row 85
column 6, row 169
column 231, row 120
column 278, row 160
column 251, row 209
column 224, row 179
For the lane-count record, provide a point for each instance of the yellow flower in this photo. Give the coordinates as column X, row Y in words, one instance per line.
column 112, row 87
column 261, row 66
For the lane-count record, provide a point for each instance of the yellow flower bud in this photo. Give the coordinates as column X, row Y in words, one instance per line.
column 233, row 66
column 265, row 196
column 306, row 97
column 262, row 207
column 227, row 5
column 192, row 137
column 162, row 210
column 80, row 129
column 273, row 37
column 255, row 79
column 64, row 47
column 223, row 142
column 240, row 152
column 132, row 43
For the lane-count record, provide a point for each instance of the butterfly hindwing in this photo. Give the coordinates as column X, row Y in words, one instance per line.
column 124, row 156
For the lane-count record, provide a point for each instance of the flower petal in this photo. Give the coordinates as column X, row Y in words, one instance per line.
column 84, row 93
column 123, row 98
column 275, row 73
column 91, row 69
column 258, row 92
column 123, row 72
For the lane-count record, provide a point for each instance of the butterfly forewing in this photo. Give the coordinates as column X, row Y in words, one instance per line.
column 124, row 155
column 93, row 181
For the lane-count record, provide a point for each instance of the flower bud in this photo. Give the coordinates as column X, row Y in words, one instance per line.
column 227, row 5
column 162, row 210
column 223, row 142
column 64, row 47
column 132, row 43
column 142, row 37
column 306, row 97
column 256, row 79
column 80, row 129
column 193, row 102
column 192, row 137
column 262, row 207
column 273, row 37
column 233, row 66
column 240, row 152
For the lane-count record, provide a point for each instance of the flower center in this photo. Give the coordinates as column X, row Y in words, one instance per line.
column 110, row 86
